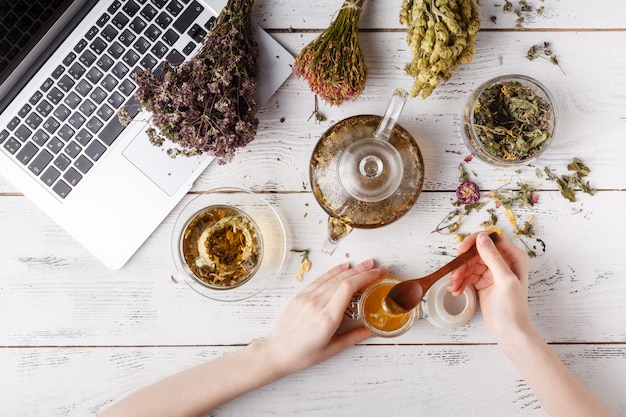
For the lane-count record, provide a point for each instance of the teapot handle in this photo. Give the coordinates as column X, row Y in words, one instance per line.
column 394, row 108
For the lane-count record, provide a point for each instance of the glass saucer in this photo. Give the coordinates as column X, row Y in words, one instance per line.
column 264, row 229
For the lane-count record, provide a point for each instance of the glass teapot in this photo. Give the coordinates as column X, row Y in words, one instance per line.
column 366, row 171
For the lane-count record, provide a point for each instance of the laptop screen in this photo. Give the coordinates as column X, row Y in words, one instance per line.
column 23, row 25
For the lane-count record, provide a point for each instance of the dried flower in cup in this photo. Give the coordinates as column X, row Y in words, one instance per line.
column 207, row 104
column 333, row 63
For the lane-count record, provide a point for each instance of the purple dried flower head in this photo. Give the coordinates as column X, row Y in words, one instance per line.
column 468, row 192
column 208, row 104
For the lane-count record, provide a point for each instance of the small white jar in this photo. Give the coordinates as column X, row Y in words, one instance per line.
column 443, row 309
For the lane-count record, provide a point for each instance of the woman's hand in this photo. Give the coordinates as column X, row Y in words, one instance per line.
column 306, row 332
column 500, row 275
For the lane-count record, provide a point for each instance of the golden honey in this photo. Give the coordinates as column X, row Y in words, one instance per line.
column 376, row 317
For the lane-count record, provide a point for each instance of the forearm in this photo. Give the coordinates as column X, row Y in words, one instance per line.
column 198, row 390
column 559, row 391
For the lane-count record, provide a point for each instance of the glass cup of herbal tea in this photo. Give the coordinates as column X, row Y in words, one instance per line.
column 228, row 244
column 509, row 120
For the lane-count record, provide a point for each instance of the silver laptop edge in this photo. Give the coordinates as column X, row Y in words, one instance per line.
column 91, row 213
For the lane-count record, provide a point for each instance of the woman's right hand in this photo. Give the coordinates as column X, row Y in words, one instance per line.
column 500, row 276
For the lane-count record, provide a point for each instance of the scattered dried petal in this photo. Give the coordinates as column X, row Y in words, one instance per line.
column 304, row 268
column 305, row 265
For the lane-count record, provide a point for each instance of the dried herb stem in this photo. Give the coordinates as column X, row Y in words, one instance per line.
column 207, row 104
column 441, row 35
column 568, row 183
column 545, row 52
column 333, row 63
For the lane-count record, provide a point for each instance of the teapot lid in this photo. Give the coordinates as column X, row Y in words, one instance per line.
column 370, row 169
column 364, row 181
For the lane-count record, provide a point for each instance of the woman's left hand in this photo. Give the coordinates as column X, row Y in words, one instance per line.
column 306, row 332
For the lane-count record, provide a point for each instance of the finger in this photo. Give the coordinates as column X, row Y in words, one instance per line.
column 334, row 277
column 363, row 278
column 492, row 257
column 345, row 290
column 328, row 275
column 341, row 342
column 467, row 243
column 465, row 275
column 456, row 279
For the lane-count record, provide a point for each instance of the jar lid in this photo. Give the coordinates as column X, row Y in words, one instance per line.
column 370, row 170
column 445, row 310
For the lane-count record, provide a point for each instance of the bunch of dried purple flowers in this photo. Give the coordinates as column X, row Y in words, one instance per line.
column 333, row 63
column 207, row 104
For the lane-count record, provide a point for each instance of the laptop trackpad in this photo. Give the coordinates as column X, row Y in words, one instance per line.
column 169, row 174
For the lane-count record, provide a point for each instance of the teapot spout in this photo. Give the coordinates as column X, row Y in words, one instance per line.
column 394, row 108
column 337, row 230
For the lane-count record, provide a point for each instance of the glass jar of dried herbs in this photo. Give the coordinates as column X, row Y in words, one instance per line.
column 509, row 120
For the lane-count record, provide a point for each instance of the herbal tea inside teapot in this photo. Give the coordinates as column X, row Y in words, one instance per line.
column 366, row 171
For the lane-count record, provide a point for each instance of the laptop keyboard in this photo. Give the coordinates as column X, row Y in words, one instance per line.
column 71, row 120
column 19, row 24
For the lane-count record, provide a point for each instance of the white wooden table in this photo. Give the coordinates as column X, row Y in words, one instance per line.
column 75, row 336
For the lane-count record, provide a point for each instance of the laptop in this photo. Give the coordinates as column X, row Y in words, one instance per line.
column 65, row 69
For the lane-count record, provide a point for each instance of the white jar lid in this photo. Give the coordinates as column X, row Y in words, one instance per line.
column 444, row 310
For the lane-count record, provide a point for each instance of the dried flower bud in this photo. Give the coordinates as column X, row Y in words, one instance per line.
column 207, row 104
column 468, row 192
column 333, row 63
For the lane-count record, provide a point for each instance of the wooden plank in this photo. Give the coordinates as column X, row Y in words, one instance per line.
column 377, row 15
column 591, row 113
column 365, row 381
column 54, row 293
column 285, row 141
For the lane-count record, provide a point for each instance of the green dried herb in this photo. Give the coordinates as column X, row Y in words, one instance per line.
column 319, row 117
column 512, row 121
column 543, row 51
column 568, row 183
column 523, row 11
column 304, row 253
column 441, row 35
column 525, row 196
column 579, row 167
column 492, row 221
column 463, row 175
column 525, row 7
